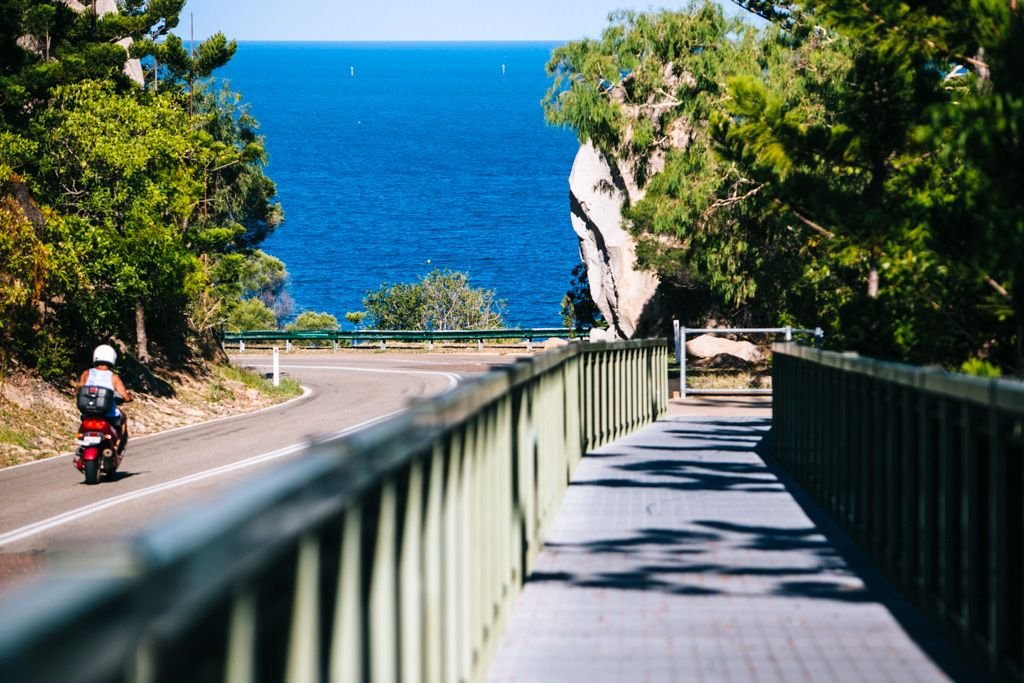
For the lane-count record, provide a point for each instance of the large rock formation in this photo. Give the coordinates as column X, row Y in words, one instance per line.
column 599, row 185
column 596, row 194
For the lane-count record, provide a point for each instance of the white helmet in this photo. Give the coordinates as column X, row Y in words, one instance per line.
column 104, row 354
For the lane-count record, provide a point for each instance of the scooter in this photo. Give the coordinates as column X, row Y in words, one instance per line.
column 98, row 440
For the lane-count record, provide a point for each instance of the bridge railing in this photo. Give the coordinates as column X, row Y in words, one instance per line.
column 382, row 337
column 926, row 470
column 392, row 554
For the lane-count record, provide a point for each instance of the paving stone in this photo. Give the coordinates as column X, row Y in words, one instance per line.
column 679, row 555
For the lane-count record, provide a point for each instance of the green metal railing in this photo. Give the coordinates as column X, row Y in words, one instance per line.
column 926, row 470
column 393, row 554
column 405, row 336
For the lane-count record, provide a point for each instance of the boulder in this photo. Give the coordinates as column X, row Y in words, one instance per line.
column 132, row 67
column 710, row 346
column 598, row 335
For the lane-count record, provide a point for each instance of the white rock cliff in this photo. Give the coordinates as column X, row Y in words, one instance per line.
column 596, row 194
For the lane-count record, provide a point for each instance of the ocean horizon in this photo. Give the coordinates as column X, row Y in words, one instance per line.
column 394, row 158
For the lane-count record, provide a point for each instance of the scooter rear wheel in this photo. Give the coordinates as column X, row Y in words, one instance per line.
column 92, row 472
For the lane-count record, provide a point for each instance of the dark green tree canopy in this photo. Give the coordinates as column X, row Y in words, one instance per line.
column 138, row 208
column 440, row 300
column 854, row 166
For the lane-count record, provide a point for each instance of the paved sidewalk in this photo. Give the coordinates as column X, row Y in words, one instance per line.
column 678, row 555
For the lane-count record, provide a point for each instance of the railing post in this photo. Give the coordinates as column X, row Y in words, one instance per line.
column 675, row 338
column 240, row 665
column 304, row 639
column 682, row 362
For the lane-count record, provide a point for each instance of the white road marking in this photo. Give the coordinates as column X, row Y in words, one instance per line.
column 71, row 515
column 453, row 379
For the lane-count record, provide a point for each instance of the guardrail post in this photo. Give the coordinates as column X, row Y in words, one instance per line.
column 334, row 342
column 682, row 362
column 529, row 345
column 241, row 345
column 479, row 344
column 287, row 345
column 675, row 338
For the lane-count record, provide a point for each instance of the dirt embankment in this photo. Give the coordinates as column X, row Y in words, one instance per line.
column 38, row 421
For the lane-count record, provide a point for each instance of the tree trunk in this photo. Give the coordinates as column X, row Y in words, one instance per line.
column 141, row 339
column 873, row 283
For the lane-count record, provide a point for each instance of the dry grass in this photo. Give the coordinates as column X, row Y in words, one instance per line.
column 39, row 421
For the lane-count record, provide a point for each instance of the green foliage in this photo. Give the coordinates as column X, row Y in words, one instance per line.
column 856, row 167
column 980, row 368
column 238, row 211
column 308, row 320
column 441, row 300
column 250, row 314
column 118, row 168
column 578, row 308
column 121, row 198
column 356, row 317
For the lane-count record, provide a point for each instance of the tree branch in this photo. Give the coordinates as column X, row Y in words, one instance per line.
column 811, row 224
column 998, row 287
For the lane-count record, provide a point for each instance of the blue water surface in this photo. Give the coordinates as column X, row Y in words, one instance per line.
column 428, row 156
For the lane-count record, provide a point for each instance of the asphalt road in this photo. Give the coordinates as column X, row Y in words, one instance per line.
column 47, row 512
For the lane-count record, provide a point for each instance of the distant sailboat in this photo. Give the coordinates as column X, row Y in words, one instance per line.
column 352, row 71
column 502, row 69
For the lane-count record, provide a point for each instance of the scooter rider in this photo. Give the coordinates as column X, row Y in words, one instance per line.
column 102, row 374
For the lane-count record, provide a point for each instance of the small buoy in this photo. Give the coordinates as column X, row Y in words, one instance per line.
column 502, row 69
column 352, row 71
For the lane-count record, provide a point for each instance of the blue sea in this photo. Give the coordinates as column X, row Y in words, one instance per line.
column 394, row 159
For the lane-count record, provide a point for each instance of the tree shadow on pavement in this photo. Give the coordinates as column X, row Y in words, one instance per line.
column 708, row 557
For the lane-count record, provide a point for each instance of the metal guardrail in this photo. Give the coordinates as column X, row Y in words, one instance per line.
column 926, row 470
column 681, row 332
column 392, row 554
column 383, row 336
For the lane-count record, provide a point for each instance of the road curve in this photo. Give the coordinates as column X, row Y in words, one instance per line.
column 46, row 510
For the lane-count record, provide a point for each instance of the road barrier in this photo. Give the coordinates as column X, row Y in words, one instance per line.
column 382, row 337
column 681, row 333
column 925, row 469
column 395, row 553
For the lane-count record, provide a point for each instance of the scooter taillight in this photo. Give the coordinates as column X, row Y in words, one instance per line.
column 94, row 424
